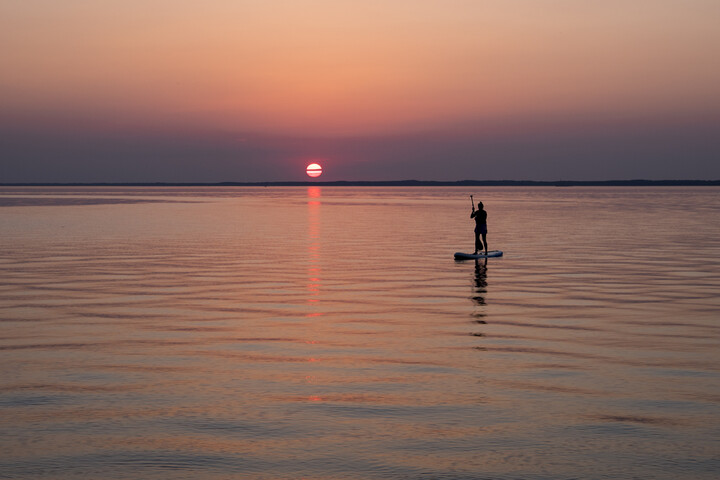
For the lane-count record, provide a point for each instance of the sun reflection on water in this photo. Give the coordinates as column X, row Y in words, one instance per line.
column 314, row 270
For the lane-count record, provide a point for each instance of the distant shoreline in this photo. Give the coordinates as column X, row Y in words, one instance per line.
column 392, row 183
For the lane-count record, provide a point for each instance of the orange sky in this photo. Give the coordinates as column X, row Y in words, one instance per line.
column 240, row 90
column 337, row 67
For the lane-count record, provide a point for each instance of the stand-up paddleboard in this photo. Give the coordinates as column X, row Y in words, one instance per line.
column 472, row 256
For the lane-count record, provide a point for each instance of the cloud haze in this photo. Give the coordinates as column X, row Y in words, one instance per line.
column 176, row 91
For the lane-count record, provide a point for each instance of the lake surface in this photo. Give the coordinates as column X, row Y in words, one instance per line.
column 327, row 333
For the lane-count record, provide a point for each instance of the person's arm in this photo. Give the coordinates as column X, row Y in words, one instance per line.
column 472, row 215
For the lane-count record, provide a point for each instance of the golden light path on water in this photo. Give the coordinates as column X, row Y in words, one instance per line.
column 326, row 333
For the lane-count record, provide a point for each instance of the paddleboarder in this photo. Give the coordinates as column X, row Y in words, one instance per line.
column 480, row 216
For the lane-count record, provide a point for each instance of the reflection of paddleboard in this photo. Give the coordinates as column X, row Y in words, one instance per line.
column 470, row 256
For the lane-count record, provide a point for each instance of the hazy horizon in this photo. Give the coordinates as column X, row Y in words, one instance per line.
column 160, row 91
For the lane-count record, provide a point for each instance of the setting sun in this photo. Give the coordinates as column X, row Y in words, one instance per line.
column 314, row 170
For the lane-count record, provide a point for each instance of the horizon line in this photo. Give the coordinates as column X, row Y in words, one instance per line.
column 382, row 183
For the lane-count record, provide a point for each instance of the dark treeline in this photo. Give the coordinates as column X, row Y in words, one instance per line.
column 396, row 183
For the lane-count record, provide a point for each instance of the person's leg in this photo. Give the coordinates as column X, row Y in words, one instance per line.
column 478, row 246
column 484, row 241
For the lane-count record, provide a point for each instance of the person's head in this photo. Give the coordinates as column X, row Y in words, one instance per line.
column 480, row 205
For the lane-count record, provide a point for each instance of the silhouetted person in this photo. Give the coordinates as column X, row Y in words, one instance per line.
column 480, row 217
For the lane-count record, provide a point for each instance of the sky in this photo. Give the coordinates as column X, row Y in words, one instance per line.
column 253, row 91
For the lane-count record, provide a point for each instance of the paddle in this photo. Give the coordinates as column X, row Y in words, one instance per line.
column 473, row 202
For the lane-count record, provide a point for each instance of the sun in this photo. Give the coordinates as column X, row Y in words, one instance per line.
column 314, row 170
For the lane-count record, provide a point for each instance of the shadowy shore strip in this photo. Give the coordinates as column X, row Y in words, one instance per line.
column 398, row 183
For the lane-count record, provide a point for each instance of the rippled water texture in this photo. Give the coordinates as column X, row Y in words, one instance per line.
column 327, row 333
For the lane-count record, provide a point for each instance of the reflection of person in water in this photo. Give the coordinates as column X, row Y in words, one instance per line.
column 480, row 281
column 480, row 216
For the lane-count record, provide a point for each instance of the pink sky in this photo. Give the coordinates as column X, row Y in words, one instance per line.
column 338, row 68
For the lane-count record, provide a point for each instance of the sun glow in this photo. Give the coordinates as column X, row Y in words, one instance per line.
column 314, row 170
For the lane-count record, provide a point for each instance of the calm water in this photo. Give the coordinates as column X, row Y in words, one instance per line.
column 327, row 333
